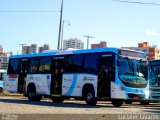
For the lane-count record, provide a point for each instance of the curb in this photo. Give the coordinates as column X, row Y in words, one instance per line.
column 13, row 95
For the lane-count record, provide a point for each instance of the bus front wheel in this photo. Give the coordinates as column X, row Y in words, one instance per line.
column 90, row 97
column 31, row 93
column 117, row 102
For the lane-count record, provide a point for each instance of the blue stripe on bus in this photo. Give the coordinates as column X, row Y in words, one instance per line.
column 73, row 85
column 12, row 79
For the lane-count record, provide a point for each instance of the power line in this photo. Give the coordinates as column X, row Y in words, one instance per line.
column 136, row 2
column 29, row 11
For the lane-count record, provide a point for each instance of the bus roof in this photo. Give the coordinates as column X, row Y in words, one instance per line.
column 64, row 52
column 71, row 51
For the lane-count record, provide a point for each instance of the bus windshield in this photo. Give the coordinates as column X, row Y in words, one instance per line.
column 155, row 76
column 133, row 71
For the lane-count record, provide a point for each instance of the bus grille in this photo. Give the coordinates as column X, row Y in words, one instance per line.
column 140, row 96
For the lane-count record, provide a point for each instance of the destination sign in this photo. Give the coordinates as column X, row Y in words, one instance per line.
column 132, row 53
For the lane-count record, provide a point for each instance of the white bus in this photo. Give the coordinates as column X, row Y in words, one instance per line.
column 111, row 73
column 154, row 81
column 2, row 73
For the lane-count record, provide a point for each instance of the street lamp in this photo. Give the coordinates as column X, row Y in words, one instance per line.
column 88, row 39
column 62, row 31
column 22, row 46
column 60, row 23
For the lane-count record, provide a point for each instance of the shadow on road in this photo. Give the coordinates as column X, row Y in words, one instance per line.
column 67, row 103
column 152, row 107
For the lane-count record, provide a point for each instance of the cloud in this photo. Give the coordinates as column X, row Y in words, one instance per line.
column 152, row 32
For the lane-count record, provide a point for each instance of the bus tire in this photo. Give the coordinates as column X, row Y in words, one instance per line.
column 57, row 99
column 145, row 102
column 31, row 93
column 117, row 102
column 1, row 90
column 90, row 97
column 128, row 101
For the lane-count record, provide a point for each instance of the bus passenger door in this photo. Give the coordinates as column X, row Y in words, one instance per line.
column 57, row 73
column 22, row 75
column 105, row 75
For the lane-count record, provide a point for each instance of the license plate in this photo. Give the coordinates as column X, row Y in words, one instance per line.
column 136, row 98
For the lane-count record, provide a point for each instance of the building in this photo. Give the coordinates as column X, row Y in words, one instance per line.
column 33, row 48
column 29, row 49
column 25, row 49
column 1, row 49
column 73, row 43
column 152, row 51
column 44, row 47
column 4, row 58
column 102, row 44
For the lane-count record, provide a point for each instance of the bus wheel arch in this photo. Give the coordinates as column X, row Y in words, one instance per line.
column 88, row 93
column 31, row 93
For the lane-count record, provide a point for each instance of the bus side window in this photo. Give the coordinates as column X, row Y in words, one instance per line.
column 34, row 65
column 90, row 63
column 45, row 65
column 74, row 63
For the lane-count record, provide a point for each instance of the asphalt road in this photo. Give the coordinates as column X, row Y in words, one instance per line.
column 19, row 108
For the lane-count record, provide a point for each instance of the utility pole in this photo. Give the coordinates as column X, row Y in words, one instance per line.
column 22, row 46
column 62, row 32
column 60, row 23
column 88, row 39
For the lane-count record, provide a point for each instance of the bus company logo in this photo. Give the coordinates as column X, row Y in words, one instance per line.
column 30, row 78
column 67, row 80
column 85, row 78
column 88, row 78
column 48, row 77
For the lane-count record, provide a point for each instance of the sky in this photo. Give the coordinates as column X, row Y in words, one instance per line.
column 120, row 24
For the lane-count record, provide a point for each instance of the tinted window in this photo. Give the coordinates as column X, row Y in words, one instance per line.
column 13, row 66
column 34, row 65
column 90, row 63
column 74, row 63
column 45, row 65
column 24, row 66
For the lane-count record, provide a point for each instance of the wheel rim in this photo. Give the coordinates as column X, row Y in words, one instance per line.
column 31, row 94
column 89, row 96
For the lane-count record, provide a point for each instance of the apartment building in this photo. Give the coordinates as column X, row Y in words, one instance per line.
column 29, row 49
column 43, row 47
column 4, row 58
column 73, row 43
column 102, row 44
column 152, row 51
